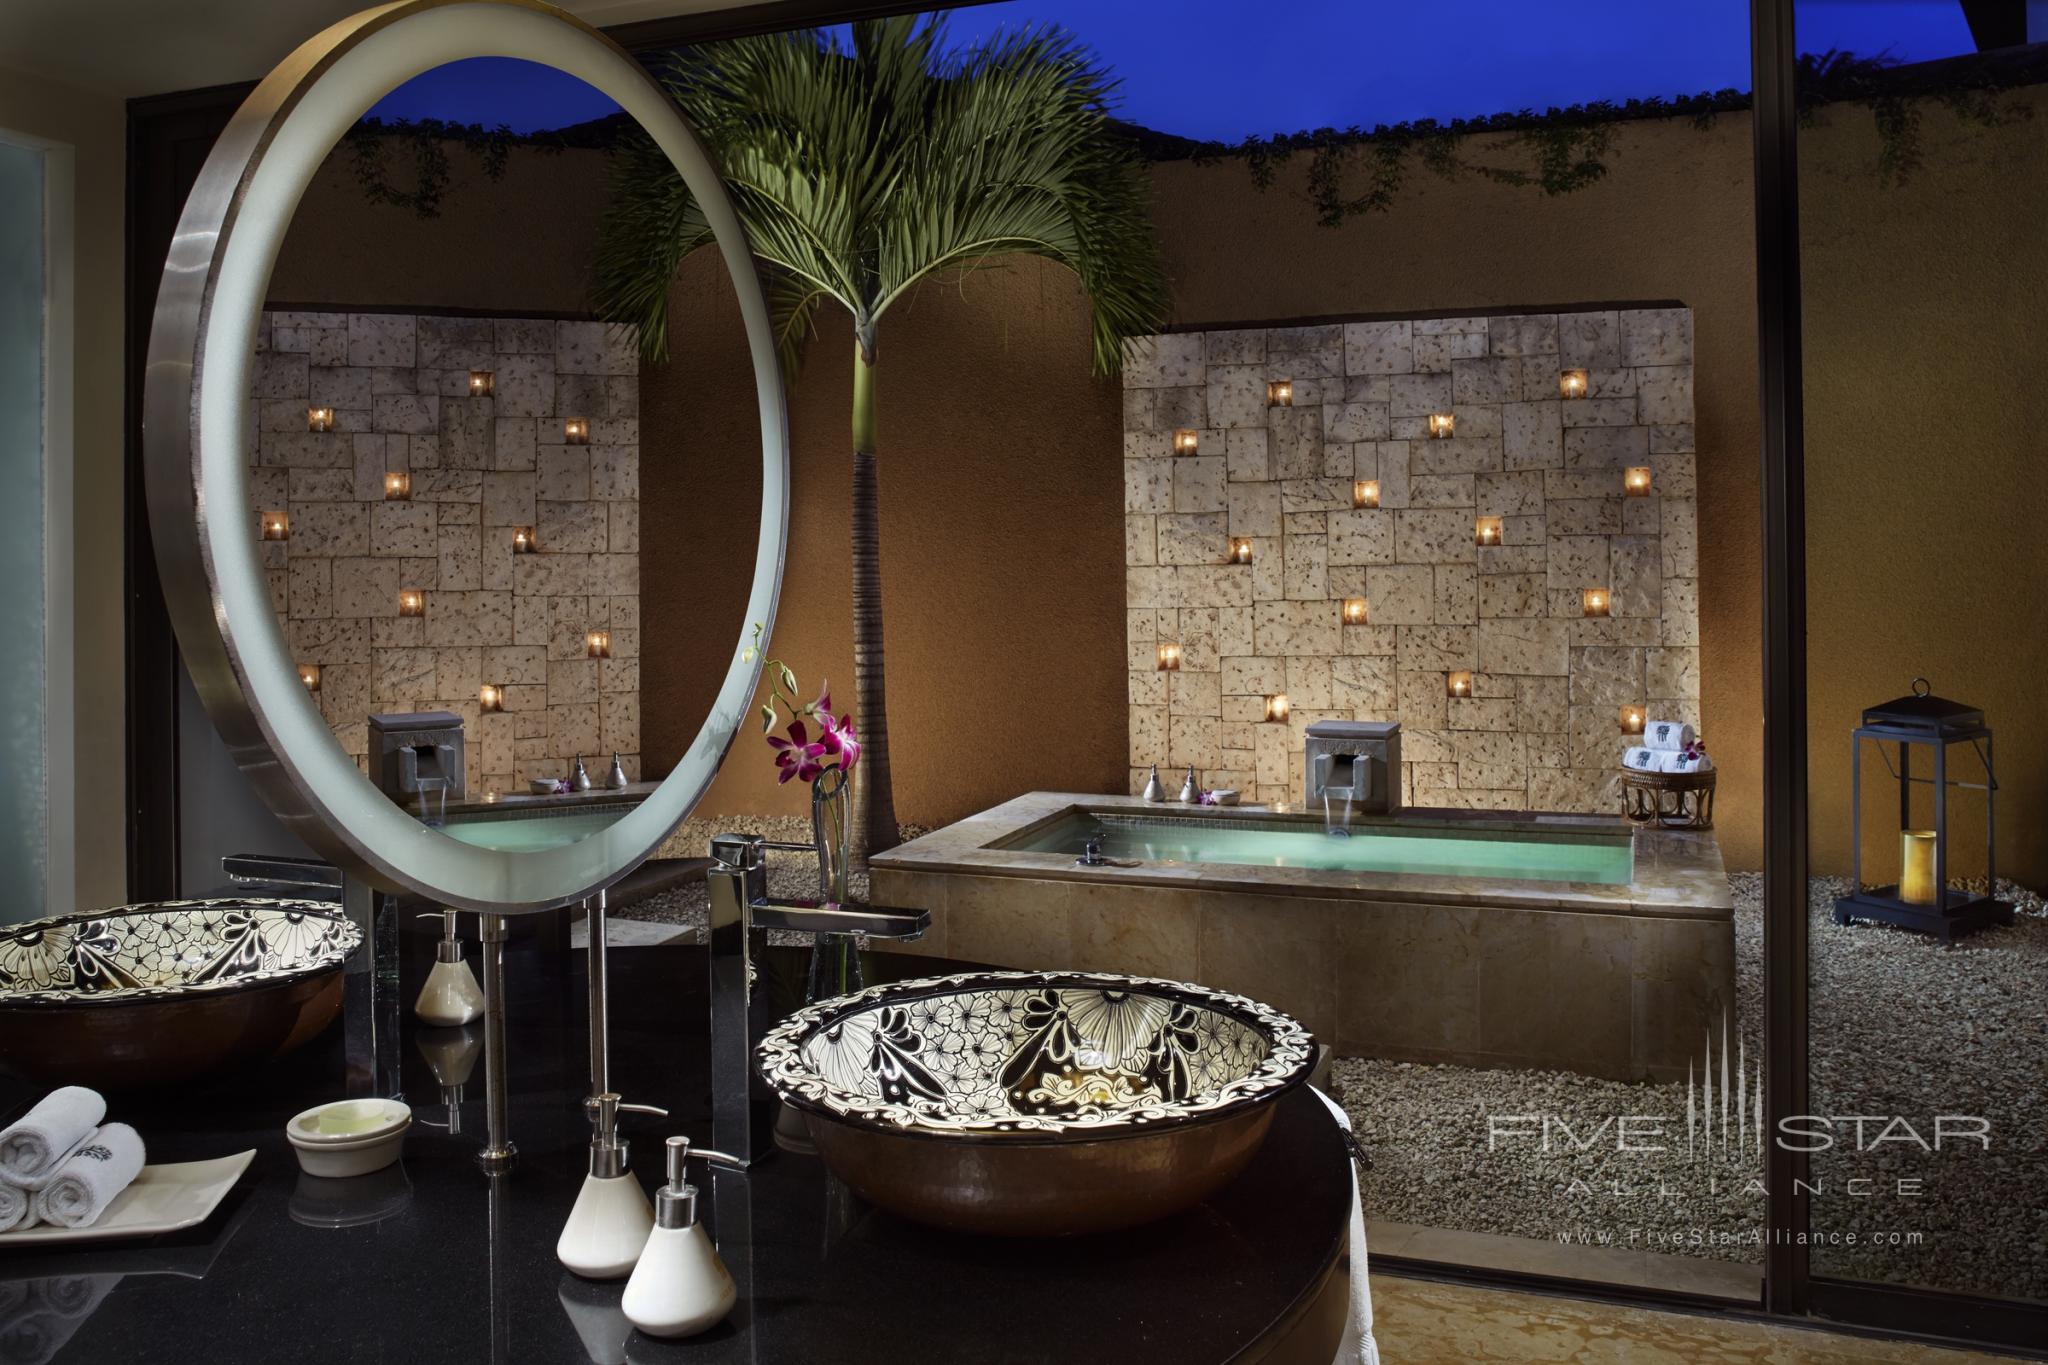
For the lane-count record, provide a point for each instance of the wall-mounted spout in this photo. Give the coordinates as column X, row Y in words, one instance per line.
column 741, row 1105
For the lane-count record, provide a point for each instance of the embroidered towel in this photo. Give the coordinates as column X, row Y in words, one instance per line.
column 1679, row 763
column 1642, row 760
column 1667, row 735
column 33, row 1145
column 88, row 1182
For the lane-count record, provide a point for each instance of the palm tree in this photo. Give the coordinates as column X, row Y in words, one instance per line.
column 861, row 169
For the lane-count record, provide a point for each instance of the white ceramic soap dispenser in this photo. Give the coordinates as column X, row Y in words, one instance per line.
column 451, row 997
column 609, row 1223
column 680, row 1287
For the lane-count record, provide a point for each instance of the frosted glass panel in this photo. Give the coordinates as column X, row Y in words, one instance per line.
column 24, row 823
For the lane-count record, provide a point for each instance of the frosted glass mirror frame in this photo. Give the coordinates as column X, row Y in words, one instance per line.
column 196, row 428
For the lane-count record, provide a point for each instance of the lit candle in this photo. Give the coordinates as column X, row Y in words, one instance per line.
column 1441, row 424
column 1635, row 481
column 1631, row 720
column 1916, row 867
column 1169, row 658
column 1571, row 384
column 1354, row 611
column 1276, row 707
column 1280, row 393
column 598, row 644
column 481, row 382
column 319, row 419
column 397, row 486
column 1365, row 493
column 1186, row 441
column 1240, row 550
column 576, row 431
column 411, row 602
column 522, row 540
column 1594, row 601
column 1458, row 684
column 1486, row 531
column 490, row 697
column 309, row 674
column 277, row 526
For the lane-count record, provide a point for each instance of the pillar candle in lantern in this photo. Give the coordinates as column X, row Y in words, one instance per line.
column 1441, row 425
column 1631, row 719
column 1486, row 531
column 412, row 602
column 522, row 540
column 598, row 644
column 1635, row 481
column 397, row 486
column 1280, row 393
column 1186, row 441
column 1571, row 384
column 309, row 674
column 1354, row 611
column 1240, row 550
column 1276, row 707
column 277, row 526
column 1594, row 602
column 1365, row 493
column 1458, row 684
column 1916, row 867
column 319, row 419
column 576, row 431
column 482, row 383
column 490, row 697
column 1169, row 658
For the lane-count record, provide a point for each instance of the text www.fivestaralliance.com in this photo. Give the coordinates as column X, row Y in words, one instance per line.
column 1652, row 1239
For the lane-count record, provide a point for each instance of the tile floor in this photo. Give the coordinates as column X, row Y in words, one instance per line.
column 1419, row 1322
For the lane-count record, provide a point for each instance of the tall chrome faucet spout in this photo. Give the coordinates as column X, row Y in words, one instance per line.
column 742, row 1109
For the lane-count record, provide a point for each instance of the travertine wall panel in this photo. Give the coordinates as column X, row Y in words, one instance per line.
column 480, row 466
column 1540, row 729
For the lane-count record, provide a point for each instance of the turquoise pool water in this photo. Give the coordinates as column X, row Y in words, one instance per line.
column 531, row 833
column 1439, row 853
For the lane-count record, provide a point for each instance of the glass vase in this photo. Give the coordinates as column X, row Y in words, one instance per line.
column 835, row 958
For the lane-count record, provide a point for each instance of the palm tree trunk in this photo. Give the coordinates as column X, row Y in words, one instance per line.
column 874, row 798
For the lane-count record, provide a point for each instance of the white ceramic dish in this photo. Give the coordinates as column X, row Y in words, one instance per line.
column 542, row 786
column 166, row 1198
column 1225, row 796
column 349, row 1137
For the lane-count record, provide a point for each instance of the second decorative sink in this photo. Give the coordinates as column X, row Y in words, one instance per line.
column 1036, row 1104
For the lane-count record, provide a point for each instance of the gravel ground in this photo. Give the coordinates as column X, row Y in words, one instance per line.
column 1900, row 1026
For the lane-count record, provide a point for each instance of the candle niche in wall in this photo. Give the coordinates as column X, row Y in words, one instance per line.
column 1276, row 707
column 1635, row 481
column 482, row 383
column 1486, row 531
column 1169, row 658
column 1459, row 683
column 1280, row 393
column 1631, row 719
column 1365, row 493
column 1442, row 425
column 397, row 486
column 490, row 698
column 598, row 644
column 1595, row 602
column 1572, row 383
column 1355, row 611
column 277, row 526
column 1240, row 550
column 523, row 542
column 412, row 602
column 309, row 674
column 1186, row 441
column 319, row 419
column 576, row 431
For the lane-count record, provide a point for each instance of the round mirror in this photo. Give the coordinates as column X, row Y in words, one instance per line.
column 198, row 432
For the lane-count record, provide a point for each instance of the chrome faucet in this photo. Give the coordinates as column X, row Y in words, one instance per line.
column 742, row 1109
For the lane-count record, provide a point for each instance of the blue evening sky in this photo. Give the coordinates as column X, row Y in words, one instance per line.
column 1215, row 69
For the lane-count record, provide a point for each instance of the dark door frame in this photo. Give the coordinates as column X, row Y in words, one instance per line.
column 168, row 137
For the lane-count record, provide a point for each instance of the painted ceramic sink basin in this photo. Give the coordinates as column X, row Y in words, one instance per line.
column 1036, row 1104
column 158, row 993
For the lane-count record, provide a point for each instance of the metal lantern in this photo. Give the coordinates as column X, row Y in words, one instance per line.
column 1922, row 900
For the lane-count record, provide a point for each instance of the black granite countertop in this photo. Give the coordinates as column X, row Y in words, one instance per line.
column 430, row 1261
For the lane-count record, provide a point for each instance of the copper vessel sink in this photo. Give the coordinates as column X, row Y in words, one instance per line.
column 1036, row 1104
column 153, row 994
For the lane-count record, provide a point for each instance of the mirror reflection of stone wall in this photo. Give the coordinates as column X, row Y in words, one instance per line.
column 480, row 468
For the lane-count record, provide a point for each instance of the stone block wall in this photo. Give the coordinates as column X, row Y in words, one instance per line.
column 480, row 466
column 1540, row 729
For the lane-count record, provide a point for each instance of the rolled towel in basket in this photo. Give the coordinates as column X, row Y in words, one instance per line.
column 1669, row 736
column 1679, row 762
column 34, row 1145
column 96, row 1172
column 17, row 1207
column 1642, row 760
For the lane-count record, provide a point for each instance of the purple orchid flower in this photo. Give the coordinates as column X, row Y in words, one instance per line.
column 797, row 757
column 836, row 732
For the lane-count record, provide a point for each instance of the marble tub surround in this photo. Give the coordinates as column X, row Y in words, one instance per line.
column 480, row 466
column 1538, row 730
column 1609, row 980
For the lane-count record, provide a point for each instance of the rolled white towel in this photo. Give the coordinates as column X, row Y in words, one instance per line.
column 1668, row 735
column 35, row 1144
column 1679, row 763
column 1642, row 760
column 96, row 1172
column 17, row 1209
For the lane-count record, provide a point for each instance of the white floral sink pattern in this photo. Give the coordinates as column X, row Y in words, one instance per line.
column 170, row 950
column 1033, row 1053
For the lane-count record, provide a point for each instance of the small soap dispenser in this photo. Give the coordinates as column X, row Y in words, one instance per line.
column 680, row 1287
column 609, row 1224
column 616, row 778
column 1154, row 789
column 579, row 780
column 451, row 997
column 1190, row 791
